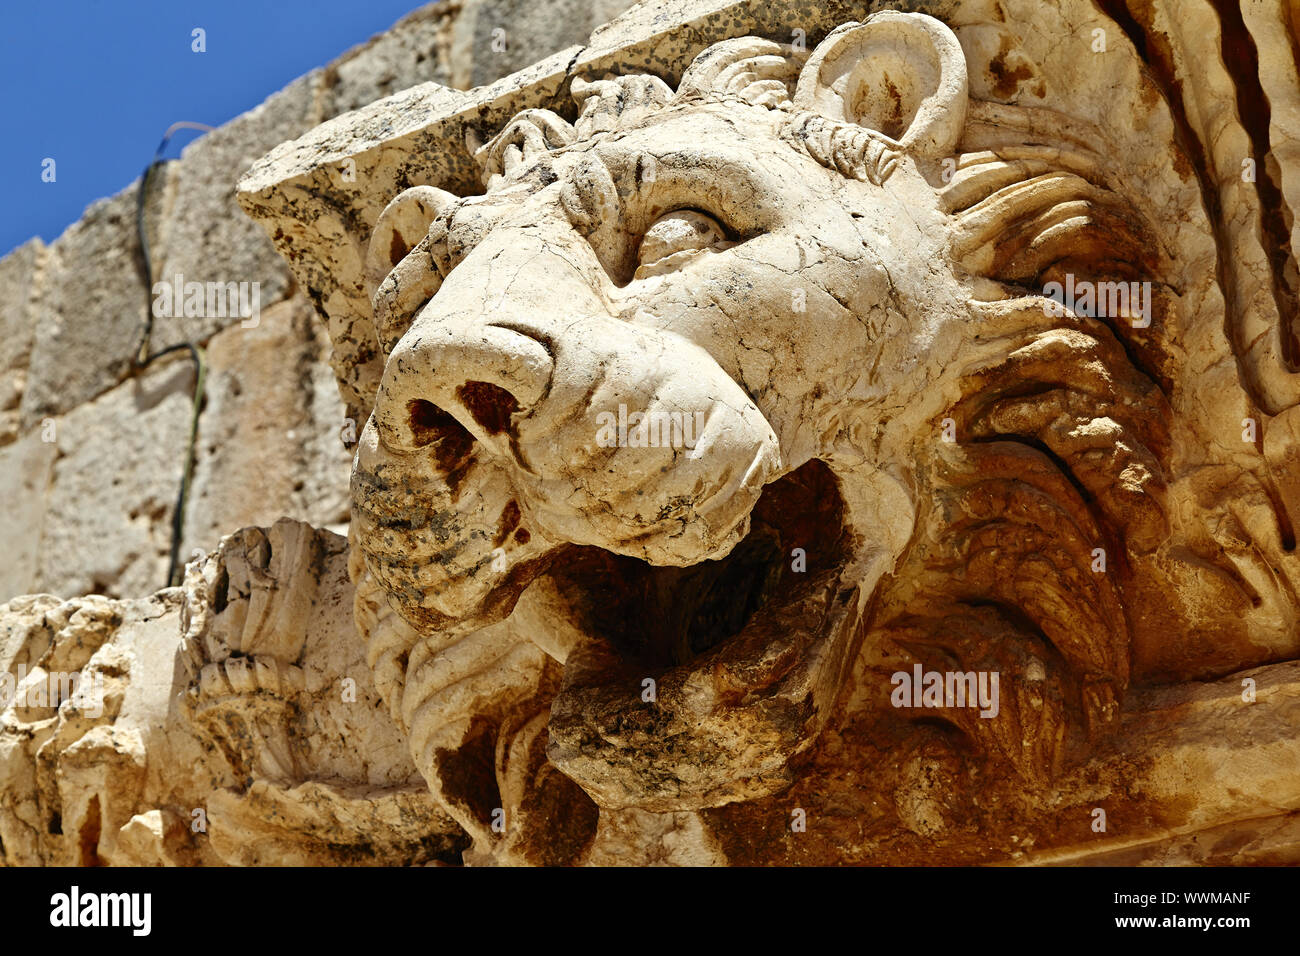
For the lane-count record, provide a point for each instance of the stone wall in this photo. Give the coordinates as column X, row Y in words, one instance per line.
column 92, row 449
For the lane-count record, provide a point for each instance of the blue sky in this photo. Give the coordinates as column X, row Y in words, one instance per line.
column 94, row 84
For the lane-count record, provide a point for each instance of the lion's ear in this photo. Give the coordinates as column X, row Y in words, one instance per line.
column 400, row 227
column 397, row 281
column 900, row 74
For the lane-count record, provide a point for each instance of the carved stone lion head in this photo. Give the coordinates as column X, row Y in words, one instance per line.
column 724, row 404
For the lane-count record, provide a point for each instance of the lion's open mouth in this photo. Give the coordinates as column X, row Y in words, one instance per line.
column 656, row 618
column 692, row 687
column 682, row 687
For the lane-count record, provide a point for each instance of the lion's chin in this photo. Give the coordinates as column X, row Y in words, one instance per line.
column 694, row 687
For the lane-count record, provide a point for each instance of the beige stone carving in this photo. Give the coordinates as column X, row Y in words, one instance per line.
column 871, row 444
column 229, row 721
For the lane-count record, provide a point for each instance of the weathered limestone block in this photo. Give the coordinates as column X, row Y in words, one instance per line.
column 203, row 239
column 25, row 472
column 328, row 441
column 20, row 282
column 57, row 687
column 87, row 332
column 493, row 38
column 414, row 50
column 118, row 457
column 270, row 441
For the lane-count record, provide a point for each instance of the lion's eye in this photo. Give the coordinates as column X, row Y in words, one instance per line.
column 685, row 230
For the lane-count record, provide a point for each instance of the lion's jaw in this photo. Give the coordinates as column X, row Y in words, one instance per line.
column 704, row 592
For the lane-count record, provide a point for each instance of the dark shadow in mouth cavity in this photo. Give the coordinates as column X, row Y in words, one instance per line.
column 664, row 617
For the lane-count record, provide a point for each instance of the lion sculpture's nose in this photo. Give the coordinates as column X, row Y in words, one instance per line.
column 472, row 376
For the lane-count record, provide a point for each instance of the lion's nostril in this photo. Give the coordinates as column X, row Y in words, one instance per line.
column 491, row 405
column 449, row 441
column 429, row 424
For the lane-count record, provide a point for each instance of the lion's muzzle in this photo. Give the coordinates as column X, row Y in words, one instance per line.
column 505, row 407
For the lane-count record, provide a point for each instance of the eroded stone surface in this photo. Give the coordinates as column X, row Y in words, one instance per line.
column 229, row 721
column 86, row 337
column 827, row 268
column 20, row 284
column 204, row 240
column 104, row 475
column 25, row 472
column 271, row 438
